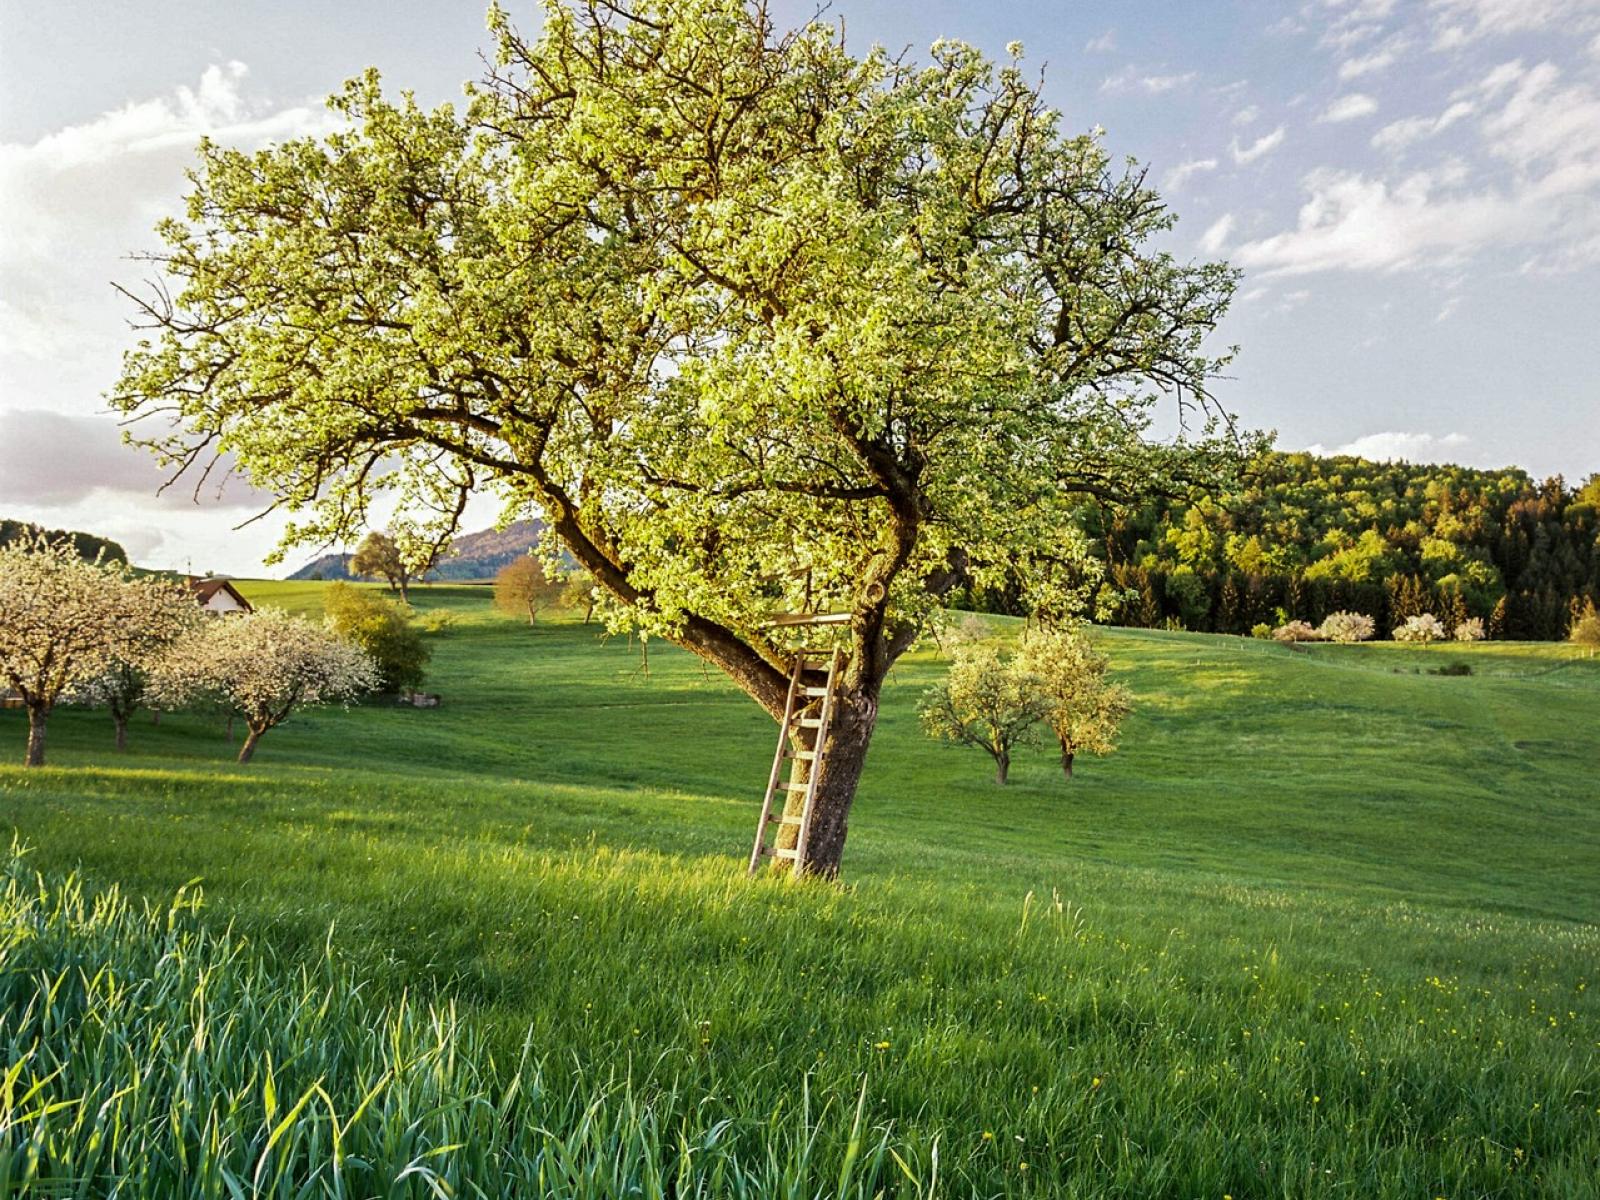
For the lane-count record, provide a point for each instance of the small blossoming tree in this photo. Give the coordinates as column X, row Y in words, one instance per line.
column 65, row 622
column 159, row 615
column 1083, row 709
column 1296, row 631
column 1470, row 630
column 987, row 700
column 264, row 665
column 1420, row 629
column 1347, row 627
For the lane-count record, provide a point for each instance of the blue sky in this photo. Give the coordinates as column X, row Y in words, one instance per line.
column 1413, row 191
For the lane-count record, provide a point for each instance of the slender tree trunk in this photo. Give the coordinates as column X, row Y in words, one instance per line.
column 405, row 590
column 155, row 716
column 38, row 718
column 1002, row 766
column 588, row 612
column 1066, row 760
column 533, row 614
column 247, row 751
column 230, row 727
column 855, row 718
column 121, row 723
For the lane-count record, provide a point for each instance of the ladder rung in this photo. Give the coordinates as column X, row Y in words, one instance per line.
column 789, row 853
column 790, row 785
column 806, row 755
column 810, row 722
column 814, row 691
column 789, row 820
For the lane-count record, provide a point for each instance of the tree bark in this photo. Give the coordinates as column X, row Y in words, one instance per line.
column 405, row 590
column 38, row 718
column 855, row 717
column 247, row 751
column 1067, row 756
column 121, row 724
column 1002, row 767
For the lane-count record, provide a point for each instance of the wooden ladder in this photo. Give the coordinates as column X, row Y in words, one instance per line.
column 794, row 719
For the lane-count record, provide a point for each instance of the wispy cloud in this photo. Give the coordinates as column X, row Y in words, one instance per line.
column 1216, row 235
column 1397, row 135
column 1458, row 22
column 1350, row 108
column 1131, row 79
column 1185, row 171
column 1103, row 44
column 1262, row 146
column 1547, row 131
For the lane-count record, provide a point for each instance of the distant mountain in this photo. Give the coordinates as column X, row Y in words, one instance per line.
column 477, row 555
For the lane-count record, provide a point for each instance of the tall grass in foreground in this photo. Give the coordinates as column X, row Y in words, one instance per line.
column 149, row 1057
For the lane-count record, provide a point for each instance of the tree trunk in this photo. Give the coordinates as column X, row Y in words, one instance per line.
column 1066, row 760
column 38, row 718
column 122, row 731
column 588, row 612
column 854, row 719
column 230, row 727
column 1002, row 767
column 405, row 590
column 247, row 751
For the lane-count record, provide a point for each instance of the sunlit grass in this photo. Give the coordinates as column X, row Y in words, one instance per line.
column 1318, row 929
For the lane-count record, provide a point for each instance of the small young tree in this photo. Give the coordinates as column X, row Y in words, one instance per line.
column 521, row 588
column 1348, row 627
column 1420, row 629
column 264, row 665
column 379, row 558
column 1585, row 630
column 579, row 592
column 1083, row 709
column 161, row 615
column 383, row 630
column 65, row 621
column 986, row 700
column 1469, row 630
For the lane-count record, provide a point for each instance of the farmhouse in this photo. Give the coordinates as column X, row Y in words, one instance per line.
column 218, row 596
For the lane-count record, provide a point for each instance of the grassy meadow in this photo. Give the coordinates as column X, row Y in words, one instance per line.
column 1327, row 925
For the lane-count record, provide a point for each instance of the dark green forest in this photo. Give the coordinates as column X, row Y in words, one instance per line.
column 1306, row 536
column 87, row 545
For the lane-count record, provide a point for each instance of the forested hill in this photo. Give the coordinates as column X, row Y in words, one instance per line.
column 88, row 545
column 1310, row 535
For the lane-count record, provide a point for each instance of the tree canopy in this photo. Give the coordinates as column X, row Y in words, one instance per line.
column 731, row 306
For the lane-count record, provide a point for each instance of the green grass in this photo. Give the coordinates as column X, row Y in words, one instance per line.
column 1324, row 926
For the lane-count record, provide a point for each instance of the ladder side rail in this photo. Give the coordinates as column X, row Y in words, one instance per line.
column 818, row 756
column 777, row 762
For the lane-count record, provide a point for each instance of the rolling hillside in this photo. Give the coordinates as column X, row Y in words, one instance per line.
column 1326, row 925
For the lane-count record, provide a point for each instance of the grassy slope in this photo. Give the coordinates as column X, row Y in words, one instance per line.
column 1318, row 916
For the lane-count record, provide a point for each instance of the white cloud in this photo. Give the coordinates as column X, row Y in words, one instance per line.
column 1185, row 171
column 1103, row 44
column 1373, row 61
column 1397, row 135
column 1547, row 206
column 1394, row 444
column 79, row 199
column 1129, row 79
column 1350, row 108
column 1246, row 115
column 1263, row 145
column 1458, row 22
column 1216, row 235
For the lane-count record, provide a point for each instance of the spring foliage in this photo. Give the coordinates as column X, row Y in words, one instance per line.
column 264, row 665
column 383, row 630
column 1422, row 628
column 67, row 622
column 1347, row 627
column 989, row 699
column 1082, row 708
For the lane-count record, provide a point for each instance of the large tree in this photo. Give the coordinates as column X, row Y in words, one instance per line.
column 731, row 307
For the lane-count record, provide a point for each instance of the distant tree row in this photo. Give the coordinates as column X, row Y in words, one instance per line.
column 1308, row 536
